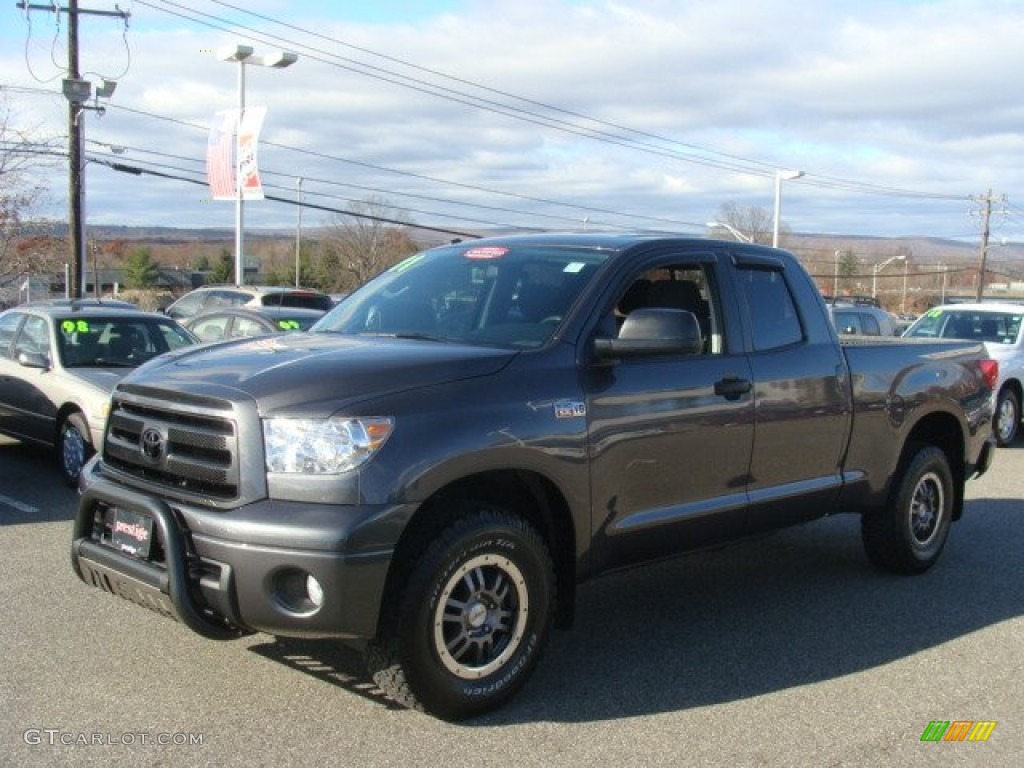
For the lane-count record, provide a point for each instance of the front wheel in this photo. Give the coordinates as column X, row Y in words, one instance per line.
column 1007, row 417
column 908, row 534
column 74, row 447
column 472, row 618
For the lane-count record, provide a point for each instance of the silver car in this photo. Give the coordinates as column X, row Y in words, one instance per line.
column 58, row 365
column 1000, row 327
column 861, row 320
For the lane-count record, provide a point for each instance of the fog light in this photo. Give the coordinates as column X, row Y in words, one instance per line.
column 297, row 591
column 314, row 590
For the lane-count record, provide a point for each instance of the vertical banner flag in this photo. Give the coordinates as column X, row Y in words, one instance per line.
column 248, row 140
column 231, row 154
column 220, row 169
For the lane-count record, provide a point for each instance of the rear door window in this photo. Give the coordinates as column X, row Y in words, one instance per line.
column 774, row 321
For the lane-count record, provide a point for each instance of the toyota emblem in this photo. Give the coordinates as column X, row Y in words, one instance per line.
column 152, row 444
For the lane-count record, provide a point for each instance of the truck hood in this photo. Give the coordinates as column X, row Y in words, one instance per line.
column 315, row 373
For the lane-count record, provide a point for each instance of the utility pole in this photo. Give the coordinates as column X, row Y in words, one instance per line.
column 77, row 92
column 298, row 228
column 986, row 219
column 76, row 177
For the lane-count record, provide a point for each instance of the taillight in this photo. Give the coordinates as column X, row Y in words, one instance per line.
column 990, row 373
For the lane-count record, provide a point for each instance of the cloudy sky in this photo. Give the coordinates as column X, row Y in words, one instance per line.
column 554, row 114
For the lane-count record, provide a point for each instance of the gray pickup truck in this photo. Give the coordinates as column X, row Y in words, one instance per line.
column 431, row 472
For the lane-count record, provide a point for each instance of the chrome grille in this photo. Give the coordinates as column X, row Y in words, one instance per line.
column 193, row 444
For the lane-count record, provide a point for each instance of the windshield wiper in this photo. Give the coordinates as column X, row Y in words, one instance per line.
column 404, row 335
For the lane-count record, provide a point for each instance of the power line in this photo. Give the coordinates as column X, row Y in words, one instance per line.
column 728, row 162
column 587, row 210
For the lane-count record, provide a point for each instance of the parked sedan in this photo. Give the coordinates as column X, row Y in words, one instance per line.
column 58, row 365
column 243, row 322
column 1000, row 326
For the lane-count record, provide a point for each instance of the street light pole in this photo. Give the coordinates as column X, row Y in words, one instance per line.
column 878, row 268
column 239, row 188
column 835, row 279
column 731, row 229
column 242, row 55
column 779, row 176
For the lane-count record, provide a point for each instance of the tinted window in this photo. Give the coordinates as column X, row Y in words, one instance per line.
column 774, row 321
column 117, row 342
column 846, row 323
column 996, row 327
column 869, row 325
column 306, row 300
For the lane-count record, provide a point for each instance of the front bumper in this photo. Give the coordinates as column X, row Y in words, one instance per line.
column 225, row 573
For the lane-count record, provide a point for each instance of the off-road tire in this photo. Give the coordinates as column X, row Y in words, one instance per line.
column 907, row 535
column 471, row 619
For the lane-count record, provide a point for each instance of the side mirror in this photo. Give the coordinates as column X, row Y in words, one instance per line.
column 34, row 360
column 653, row 331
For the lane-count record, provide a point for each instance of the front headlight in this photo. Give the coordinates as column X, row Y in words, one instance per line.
column 323, row 446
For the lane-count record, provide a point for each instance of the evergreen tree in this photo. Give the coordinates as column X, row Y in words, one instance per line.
column 224, row 272
column 140, row 271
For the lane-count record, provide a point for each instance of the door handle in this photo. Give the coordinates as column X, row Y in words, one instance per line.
column 732, row 387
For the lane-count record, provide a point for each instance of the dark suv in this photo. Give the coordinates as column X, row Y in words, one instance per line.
column 214, row 296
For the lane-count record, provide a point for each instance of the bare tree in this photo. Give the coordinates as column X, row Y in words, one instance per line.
column 362, row 244
column 26, row 248
column 752, row 222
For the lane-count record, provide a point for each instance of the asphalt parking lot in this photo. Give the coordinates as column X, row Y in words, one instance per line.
column 789, row 651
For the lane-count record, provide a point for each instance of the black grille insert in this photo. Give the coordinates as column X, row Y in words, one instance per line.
column 174, row 447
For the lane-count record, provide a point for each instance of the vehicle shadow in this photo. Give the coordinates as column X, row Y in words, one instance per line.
column 328, row 661
column 795, row 608
column 31, row 487
column 800, row 607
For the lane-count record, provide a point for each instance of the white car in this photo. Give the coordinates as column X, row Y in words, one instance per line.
column 999, row 327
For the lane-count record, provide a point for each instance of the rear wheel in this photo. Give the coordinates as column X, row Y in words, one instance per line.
column 908, row 534
column 1007, row 417
column 74, row 447
column 471, row 621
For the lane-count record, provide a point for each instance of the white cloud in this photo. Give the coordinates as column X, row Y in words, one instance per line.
column 914, row 96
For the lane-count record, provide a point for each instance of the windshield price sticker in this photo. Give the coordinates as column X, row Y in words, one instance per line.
column 288, row 325
column 74, row 326
column 486, row 252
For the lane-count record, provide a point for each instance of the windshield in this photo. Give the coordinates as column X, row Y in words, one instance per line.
column 509, row 296
column 979, row 325
column 116, row 342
